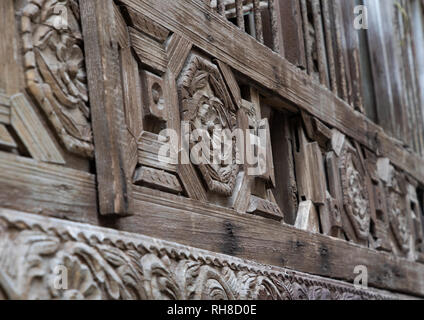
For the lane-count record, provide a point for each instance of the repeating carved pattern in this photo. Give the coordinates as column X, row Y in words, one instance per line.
column 108, row 264
column 55, row 71
column 207, row 106
column 355, row 192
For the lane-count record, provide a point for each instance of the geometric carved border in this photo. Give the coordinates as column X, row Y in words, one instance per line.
column 119, row 265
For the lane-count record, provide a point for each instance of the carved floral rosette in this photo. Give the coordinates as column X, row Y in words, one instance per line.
column 355, row 192
column 55, row 71
column 207, row 106
column 108, row 264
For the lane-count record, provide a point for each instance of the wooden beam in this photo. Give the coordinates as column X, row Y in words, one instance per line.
column 266, row 241
column 111, row 137
column 46, row 189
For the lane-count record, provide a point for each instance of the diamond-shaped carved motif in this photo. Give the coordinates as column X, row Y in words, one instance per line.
column 208, row 108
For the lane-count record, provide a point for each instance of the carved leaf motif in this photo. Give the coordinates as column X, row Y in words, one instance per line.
column 210, row 285
column 80, row 285
column 161, row 286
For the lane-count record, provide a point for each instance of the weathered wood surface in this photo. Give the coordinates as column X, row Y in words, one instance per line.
column 141, row 79
column 46, row 189
column 269, row 70
column 223, row 230
column 119, row 256
column 112, row 139
column 11, row 72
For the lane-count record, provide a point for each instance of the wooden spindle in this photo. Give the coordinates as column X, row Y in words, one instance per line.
column 320, row 43
column 258, row 21
column 240, row 14
column 329, row 42
column 220, row 5
column 274, row 25
column 340, row 45
column 307, row 35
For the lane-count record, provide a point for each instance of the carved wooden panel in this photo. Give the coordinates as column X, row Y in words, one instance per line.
column 167, row 84
column 138, row 88
column 55, row 72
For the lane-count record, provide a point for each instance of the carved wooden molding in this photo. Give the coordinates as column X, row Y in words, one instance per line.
column 120, row 265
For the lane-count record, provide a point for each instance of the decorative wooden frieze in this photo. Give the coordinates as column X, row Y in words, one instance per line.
column 54, row 69
column 107, row 264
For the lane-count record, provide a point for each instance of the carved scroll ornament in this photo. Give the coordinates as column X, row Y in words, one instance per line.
column 207, row 106
column 107, row 264
column 54, row 69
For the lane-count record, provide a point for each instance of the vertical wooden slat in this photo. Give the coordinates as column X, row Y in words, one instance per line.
column 320, row 42
column 293, row 41
column 416, row 12
column 258, row 21
column 307, row 36
column 111, row 136
column 340, row 60
column 275, row 25
column 380, row 66
column 10, row 73
column 408, row 79
column 329, row 42
column 240, row 14
column 352, row 47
